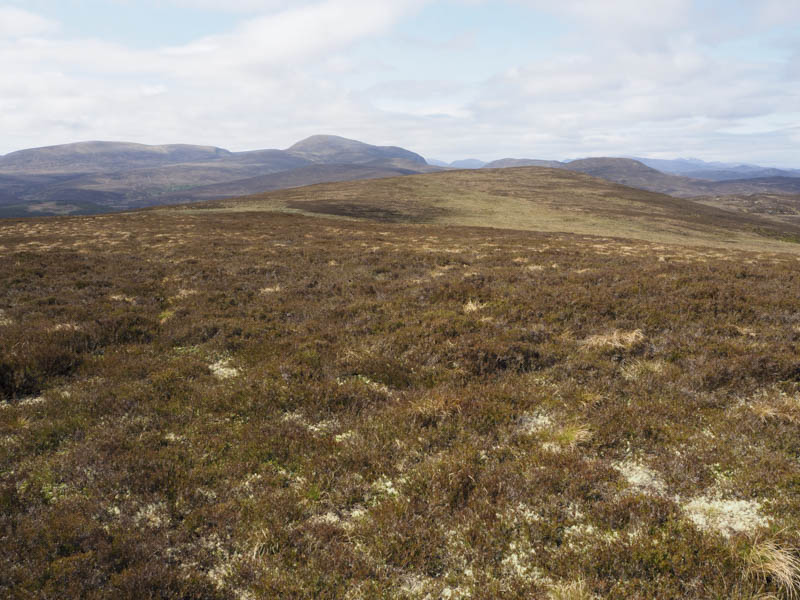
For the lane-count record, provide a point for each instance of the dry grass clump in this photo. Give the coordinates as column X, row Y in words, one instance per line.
column 473, row 306
column 776, row 404
column 571, row 590
column 642, row 368
column 567, row 437
column 624, row 340
column 771, row 562
column 573, row 435
column 435, row 406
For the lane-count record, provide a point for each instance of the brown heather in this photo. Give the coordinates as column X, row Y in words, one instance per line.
column 259, row 405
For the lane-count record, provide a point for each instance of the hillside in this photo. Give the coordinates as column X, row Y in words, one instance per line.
column 636, row 174
column 529, row 198
column 293, row 178
column 244, row 404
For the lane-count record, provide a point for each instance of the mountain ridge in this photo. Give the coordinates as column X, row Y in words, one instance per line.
column 96, row 175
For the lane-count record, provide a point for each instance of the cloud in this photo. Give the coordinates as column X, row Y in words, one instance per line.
column 778, row 12
column 244, row 6
column 18, row 23
column 296, row 33
column 270, row 81
column 622, row 80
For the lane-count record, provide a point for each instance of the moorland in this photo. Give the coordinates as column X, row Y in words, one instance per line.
column 517, row 383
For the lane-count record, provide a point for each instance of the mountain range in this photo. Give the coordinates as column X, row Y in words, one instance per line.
column 97, row 177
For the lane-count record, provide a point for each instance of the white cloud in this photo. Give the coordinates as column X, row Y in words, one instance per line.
column 296, row 33
column 624, row 80
column 18, row 23
column 251, row 6
column 780, row 12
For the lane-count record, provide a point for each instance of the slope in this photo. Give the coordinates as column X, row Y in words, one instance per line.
column 531, row 198
column 303, row 176
column 636, row 174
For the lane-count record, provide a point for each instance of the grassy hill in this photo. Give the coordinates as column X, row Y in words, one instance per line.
column 247, row 404
column 531, row 198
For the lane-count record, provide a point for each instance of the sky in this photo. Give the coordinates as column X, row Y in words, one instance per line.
column 450, row 79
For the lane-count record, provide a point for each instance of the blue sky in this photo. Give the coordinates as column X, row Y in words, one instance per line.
column 713, row 79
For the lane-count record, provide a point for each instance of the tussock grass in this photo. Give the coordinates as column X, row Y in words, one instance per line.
column 616, row 339
column 769, row 561
column 776, row 404
column 573, row 590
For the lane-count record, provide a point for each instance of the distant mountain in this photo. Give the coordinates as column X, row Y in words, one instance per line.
column 464, row 163
column 91, row 177
column 769, row 185
column 715, row 171
column 631, row 173
column 635, row 174
column 331, row 149
column 680, row 166
column 96, row 157
column 744, row 173
column 505, row 163
column 437, row 163
column 467, row 163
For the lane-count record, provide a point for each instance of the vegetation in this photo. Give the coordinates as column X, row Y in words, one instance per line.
column 532, row 198
column 233, row 404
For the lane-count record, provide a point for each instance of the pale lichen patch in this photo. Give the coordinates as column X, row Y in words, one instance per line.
column 641, row 477
column 153, row 516
column 65, row 327
column 364, row 380
column 385, row 487
column 344, row 437
column 323, row 427
column 726, row 517
column 473, row 306
column 184, row 293
column 534, row 423
column 222, row 369
column 32, row 401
